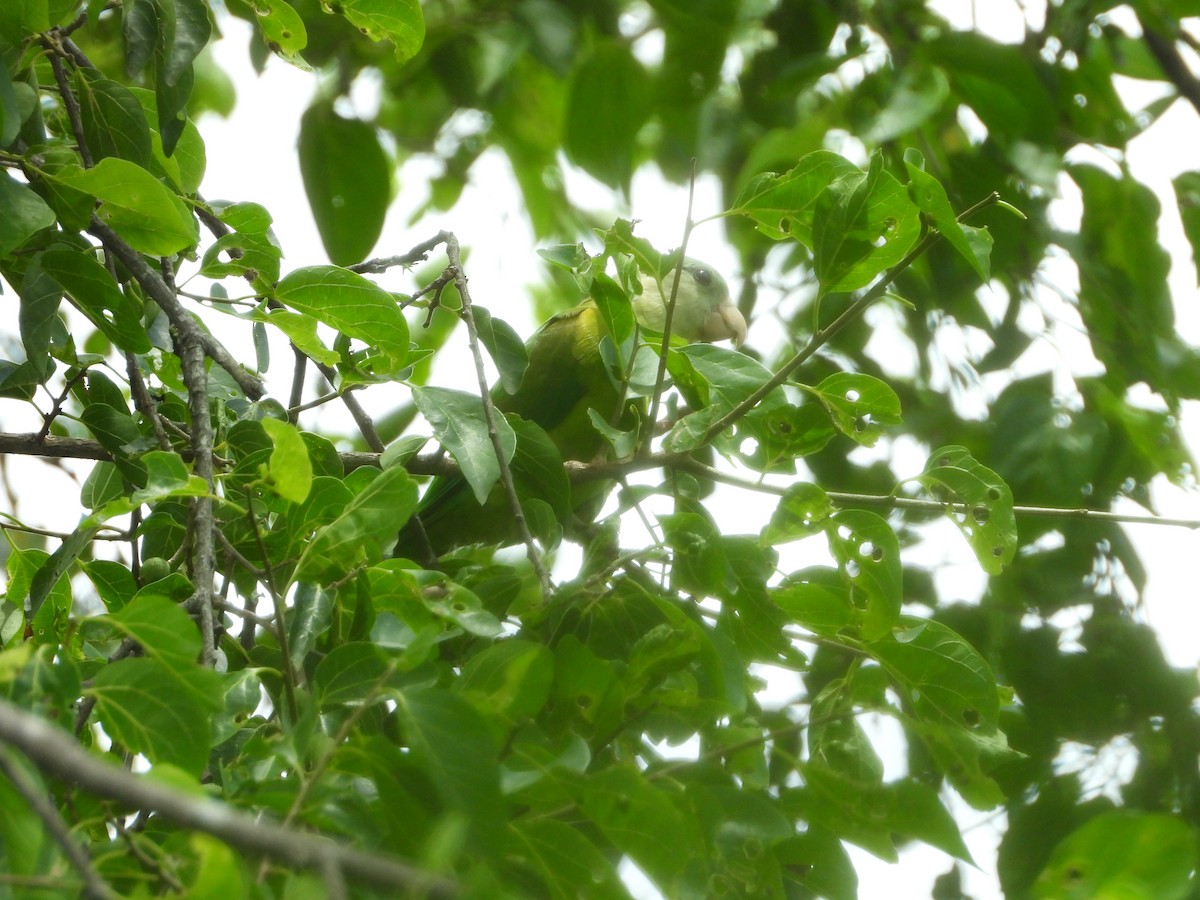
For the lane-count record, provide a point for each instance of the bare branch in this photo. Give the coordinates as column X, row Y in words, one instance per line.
column 55, row 753
column 160, row 292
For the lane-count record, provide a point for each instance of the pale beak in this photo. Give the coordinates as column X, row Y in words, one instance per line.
column 725, row 322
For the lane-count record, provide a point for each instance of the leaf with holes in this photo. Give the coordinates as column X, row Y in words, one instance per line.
column 979, row 503
column 944, row 678
column 782, row 205
column 861, row 406
column 862, row 227
column 868, row 555
column 800, row 513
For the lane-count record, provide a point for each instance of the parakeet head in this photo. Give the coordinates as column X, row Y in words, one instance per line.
column 703, row 309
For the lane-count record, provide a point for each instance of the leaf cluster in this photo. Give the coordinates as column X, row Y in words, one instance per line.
column 229, row 613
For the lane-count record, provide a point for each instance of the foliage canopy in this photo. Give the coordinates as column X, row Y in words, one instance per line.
column 228, row 613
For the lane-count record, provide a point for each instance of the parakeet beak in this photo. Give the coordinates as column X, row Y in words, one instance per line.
column 725, row 322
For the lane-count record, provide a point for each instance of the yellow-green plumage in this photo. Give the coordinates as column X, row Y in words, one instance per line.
column 566, row 377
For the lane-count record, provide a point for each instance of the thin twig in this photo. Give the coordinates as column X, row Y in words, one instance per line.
column 417, row 254
column 289, row 669
column 665, row 350
column 143, row 402
column 489, row 415
column 70, row 104
column 366, row 426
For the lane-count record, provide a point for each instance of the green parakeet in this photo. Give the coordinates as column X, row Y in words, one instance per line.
column 566, row 377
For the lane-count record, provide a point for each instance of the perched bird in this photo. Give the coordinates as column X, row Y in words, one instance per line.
column 566, row 377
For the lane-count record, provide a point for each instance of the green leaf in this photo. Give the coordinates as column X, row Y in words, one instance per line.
column 164, row 631
column 967, row 757
column 784, row 205
column 94, row 293
column 450, row 739
column 282, row 29
column 167, row 725
column 249, row 249
column 635, row 815
column 822, row 863
column 189, row 34
column 505, row 347
column 19, row 18
column 868, row 554
column 113, row 582
column 715, row 379
column 861, row 406
column 350, row 303
column 25, row 214
column 398, row 21
column 568, row 864
column 369, row 523
column 290, row 468
column 929, row 195
column 347, row 177
column 982, row 504
column 801, row 513
column 166, row 476
column 944, row 678
column 300, row 329
column 458, row 422
column 917, row 96
column 1122, row 853
column 861, row 227
column 184, row 168
column 622, row 442
column 1187, row 197
column 136, row 205
column 10, row 110
column 539, row 476
column 351, row 673
column 869, row 814
column 113, row 121
column 818, row 600
column 615, row 308
column 139, row 26
column 607, row 103
column 511, row 679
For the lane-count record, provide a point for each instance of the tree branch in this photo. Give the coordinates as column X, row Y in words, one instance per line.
column 1172, row 63
column 162, row 294
column 580, row 472
column 55, row 753
column 489, row 415
column 96, row 887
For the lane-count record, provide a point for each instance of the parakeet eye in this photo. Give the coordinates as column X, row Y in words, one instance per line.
column 703, row 277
